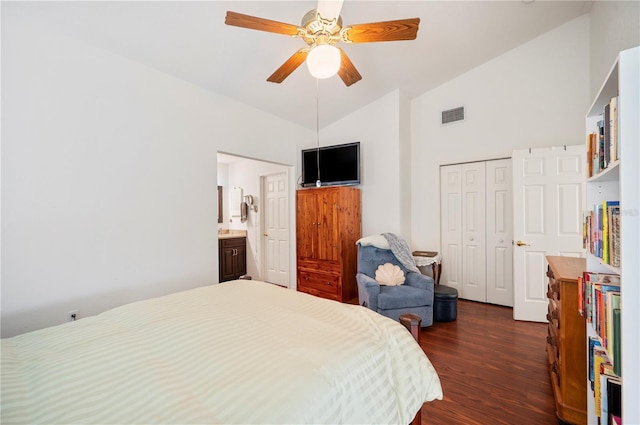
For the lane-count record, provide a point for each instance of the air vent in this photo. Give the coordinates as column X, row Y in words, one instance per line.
column 453, row 115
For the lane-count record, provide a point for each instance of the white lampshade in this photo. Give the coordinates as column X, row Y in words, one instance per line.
column 323, row 61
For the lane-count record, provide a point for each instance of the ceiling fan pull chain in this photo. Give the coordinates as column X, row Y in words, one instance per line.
column 318, row 182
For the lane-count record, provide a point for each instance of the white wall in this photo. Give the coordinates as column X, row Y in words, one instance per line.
column 378, row 128
column 615, row 26
column 535, row 95
column 109, row 176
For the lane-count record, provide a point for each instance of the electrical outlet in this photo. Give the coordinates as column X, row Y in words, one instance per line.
column 72, row 316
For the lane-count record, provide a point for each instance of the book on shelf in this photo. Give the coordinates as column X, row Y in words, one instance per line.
column 599, row 303
column 590, row 144
column 607, row 137
column 581, row 288
column 614, row 235
column 616, row 343
column 601, row 232
column 601, row 285
column 612, row 301
column 606, row 385
column 613, row 129
column 614, row 400
column 600, row 165
column 603, row 143
column 609, row 399
column 599, row 359
column 606, row 371
column 594, row 344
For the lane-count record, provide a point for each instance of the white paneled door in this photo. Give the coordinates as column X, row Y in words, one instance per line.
column 499, row 232
column 451, row 225
column 548, row 203
column 474, row 258
column 476, row 217
column 275, row 190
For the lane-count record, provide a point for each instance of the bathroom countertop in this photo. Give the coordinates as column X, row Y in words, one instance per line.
column 227, row 234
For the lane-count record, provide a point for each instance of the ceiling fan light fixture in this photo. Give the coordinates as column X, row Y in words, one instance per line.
column 323, row 61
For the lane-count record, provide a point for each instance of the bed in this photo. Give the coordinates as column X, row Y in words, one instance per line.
column 238, row 352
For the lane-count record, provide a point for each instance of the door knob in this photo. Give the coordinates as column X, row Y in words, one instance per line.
column 266, row 234
column 520, row 243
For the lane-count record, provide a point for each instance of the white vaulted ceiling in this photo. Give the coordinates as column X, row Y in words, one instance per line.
column 189, row 40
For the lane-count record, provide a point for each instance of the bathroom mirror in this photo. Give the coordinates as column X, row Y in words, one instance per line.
column 219, row 204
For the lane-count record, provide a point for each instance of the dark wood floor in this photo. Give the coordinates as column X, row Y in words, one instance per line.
column 492, row 368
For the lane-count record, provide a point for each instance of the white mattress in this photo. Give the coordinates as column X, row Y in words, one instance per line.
column 238, row 352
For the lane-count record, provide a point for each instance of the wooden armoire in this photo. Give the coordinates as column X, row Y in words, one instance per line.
column 328, row 224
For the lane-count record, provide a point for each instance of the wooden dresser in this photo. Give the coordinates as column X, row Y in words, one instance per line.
column 566, row 339
column 328, row 226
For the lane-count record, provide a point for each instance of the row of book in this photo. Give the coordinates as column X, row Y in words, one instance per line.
column 599, row 304
column 606, row 385
column 601, row 232
column 603, row 144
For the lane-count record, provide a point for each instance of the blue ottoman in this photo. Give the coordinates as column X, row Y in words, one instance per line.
column 445, row 303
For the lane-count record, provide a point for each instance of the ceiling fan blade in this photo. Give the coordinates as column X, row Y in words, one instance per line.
column 289, row 66
column 329, row 9
column 347, row 71
column 403, row 29
column 260, row 24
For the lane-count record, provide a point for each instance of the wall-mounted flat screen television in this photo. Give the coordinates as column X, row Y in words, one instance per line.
column 339, row 165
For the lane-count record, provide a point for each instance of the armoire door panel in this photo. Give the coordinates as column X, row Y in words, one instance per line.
column 306, row 225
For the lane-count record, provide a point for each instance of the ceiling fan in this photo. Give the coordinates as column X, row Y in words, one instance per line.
column 321, row 29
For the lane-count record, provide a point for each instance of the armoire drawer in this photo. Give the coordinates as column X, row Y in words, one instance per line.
column 329, row 283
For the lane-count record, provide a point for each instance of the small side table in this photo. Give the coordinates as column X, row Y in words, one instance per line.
column 433, row 258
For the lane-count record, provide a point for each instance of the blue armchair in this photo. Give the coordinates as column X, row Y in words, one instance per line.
column 414, row 296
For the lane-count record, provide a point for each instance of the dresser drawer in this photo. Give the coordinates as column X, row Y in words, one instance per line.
column 553, row 290
column 320, row 281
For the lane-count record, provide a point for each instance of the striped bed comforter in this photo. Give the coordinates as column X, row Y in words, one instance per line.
column 238, row 352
